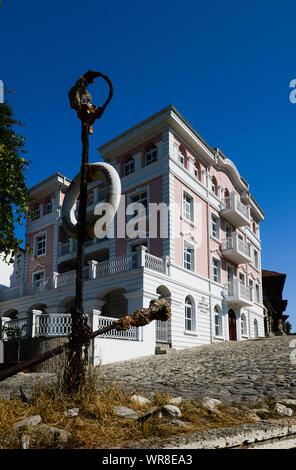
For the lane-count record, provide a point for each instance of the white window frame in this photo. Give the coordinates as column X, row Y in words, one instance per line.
column 189, row 246
column 151, row 154
column 216, row 236
column 189, row 318
column 46, row 205
column 36, row 283
column 244, row 326
column 218, row 322
column 37, row 212
column 257, row 293
column 181, row 157
column 218, row 268
column 256, row 259
column 136, row 194
column 35, row 244
column 128, row 166
column 240, row 275
column 185, row 195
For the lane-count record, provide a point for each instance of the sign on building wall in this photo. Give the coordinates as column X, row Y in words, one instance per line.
column 1, row 92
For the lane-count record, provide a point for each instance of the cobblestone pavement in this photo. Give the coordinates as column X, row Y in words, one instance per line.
column 10, row 388
column 232, row 371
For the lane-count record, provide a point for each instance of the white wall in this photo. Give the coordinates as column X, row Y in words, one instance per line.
column 108, row 350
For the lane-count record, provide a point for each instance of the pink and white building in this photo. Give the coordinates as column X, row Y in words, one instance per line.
column 208, row 266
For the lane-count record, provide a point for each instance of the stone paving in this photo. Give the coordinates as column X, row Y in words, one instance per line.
column 231, row 372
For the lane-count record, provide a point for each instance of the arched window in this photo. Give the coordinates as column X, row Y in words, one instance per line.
column 256, row 332
column 48, row 206
column 197, row 172
column 151, row 154
column 181, row 156
column 218, row 321
column 129, row 166
column 227, row 194
column 243, row 325
column 214, row 186
column 189, row 315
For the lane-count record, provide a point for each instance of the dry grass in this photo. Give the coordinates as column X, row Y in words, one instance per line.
column 97, row 426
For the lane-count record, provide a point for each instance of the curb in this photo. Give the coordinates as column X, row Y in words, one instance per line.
column 223, row 438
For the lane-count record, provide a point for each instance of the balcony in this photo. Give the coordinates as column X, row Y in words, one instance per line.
column 94, row 270
column 237, row 293
column 236, row 250
column 235, row 212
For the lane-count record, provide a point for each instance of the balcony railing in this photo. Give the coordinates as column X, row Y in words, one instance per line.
column 59, row 324
column 234, row 211
column 238, row 293
column 95, row 270
column 236, row 249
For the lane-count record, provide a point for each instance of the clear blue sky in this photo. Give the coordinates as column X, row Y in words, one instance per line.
column 225, row 65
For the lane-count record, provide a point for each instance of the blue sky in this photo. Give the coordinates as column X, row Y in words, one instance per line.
column 225, row 65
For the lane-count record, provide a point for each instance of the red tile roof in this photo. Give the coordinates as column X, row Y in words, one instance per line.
column 266, row 273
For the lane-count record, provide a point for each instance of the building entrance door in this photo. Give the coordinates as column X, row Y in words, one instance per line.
column 232, row 325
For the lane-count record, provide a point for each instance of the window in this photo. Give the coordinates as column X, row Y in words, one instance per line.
column 228, row 231
column 48, row 206
column 189, row 315
column 257, row 293
column 40, row 245
column 151, row 155
column 214, row 186
column 188, row 257
column 140, row 198
column 218, row 321
column 243, row 325
column 256, row 263
column 196, row 171
column 251, row 285
column 181, row 157
column 38, row 279
column 37, row 212
column 256, row 332
column 188, row 207
column 215, row 226
column 241, row 279
column 216, row 270
column 129, row 166
column 134, row 247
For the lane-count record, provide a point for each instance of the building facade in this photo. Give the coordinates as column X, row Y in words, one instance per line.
column 274, row 304
column 204, row 255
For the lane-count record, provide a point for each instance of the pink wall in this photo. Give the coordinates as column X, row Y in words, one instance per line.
column 139, row 148
column 198, row 230
column 154, row 189
column 45, row 261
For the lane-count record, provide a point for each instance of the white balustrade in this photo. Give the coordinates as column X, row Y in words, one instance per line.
column 53, row 324
column 152, row 262
column 162, row 331
column 132, row 334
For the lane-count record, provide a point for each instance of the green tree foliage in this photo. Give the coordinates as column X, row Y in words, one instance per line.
column 288, row 327
column 14, row 194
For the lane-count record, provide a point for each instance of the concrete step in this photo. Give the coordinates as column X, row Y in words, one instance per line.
column 163, row 348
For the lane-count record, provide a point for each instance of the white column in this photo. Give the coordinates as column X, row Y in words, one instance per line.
column 141, row 255
column 92, row 268
column 54, row 277
column 35, row 313
column 166, row 260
